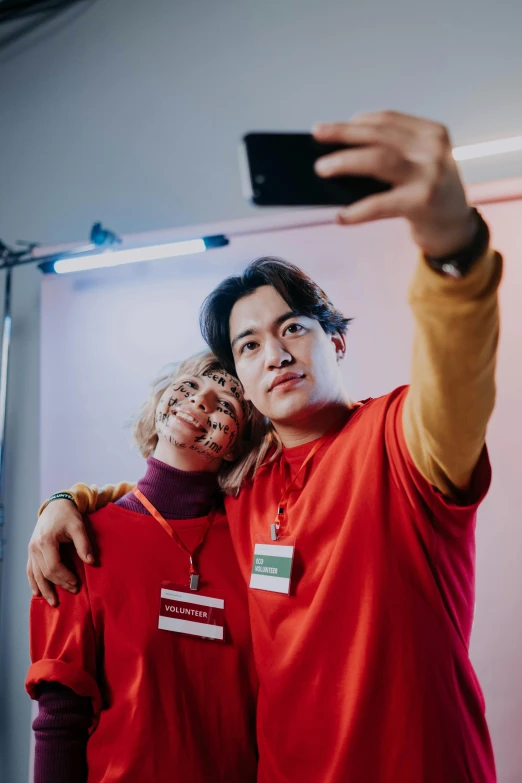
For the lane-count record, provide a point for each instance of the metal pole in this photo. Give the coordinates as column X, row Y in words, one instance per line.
column 4, row 373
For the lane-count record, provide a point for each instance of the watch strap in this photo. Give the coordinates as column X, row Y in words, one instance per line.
column 459, row 264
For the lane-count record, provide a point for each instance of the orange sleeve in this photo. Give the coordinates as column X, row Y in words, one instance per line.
column 452, row 391
column 89, row 499
column 63, row 643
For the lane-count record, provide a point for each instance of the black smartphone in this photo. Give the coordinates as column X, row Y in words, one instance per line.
column 277, row 170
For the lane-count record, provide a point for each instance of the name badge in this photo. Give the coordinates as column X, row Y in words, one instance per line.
column 272, row 568
column 192, row 614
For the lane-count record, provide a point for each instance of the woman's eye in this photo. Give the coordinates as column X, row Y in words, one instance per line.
column 226, row 404
column 248, row 346
column 192, row 384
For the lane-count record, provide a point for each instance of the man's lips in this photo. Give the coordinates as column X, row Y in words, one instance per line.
column 284, row 379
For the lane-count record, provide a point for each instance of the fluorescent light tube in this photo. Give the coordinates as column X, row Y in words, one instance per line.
column 117, row 257
column 486, row 148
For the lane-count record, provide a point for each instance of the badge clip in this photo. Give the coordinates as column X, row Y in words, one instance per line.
column 194, row 578
column 274, row 527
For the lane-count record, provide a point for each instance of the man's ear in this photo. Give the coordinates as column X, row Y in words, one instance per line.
column 339, row 342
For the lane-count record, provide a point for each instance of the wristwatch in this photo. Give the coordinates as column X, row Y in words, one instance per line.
column 459, row 264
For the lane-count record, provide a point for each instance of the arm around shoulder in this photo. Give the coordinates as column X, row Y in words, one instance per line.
column 89, row 499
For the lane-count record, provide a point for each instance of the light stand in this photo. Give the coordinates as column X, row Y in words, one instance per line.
column 9, row 259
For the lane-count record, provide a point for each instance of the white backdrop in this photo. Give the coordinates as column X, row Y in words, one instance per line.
column 106, row 333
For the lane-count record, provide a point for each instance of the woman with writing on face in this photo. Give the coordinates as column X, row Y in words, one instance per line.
column 147, row 673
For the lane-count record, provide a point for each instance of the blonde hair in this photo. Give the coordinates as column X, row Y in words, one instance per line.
column 258, row 439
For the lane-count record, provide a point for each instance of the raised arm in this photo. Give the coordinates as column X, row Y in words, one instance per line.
column 452, row 391
column 61, row 522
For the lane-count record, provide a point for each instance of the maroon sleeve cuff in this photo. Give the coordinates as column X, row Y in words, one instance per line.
column 70, row 675
column 61, row 732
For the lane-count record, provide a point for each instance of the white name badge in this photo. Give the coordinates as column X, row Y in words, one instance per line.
column 272, row 568
column 192, row 614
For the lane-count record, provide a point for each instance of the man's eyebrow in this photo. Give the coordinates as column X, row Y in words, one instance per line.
column 289, row 314
column 240, row 336
column 278, row 321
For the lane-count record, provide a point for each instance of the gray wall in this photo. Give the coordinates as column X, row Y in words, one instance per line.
column 130, row 113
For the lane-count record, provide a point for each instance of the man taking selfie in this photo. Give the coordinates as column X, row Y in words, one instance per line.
column 355, row 528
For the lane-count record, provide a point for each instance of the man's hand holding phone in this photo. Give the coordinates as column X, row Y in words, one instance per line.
column 415, row 156
column 378, row 165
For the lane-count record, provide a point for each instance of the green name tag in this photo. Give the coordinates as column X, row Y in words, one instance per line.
column 272, row 568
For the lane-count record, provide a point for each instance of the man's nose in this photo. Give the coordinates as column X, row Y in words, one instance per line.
column 276, row 354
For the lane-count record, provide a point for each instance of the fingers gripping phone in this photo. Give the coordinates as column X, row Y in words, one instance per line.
column 277, row 170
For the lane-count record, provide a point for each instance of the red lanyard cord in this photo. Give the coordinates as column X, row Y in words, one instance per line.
column 286, row 491
column 194, row 576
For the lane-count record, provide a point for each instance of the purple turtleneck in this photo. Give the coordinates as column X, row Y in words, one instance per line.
column 177, row 494
column 61, row 728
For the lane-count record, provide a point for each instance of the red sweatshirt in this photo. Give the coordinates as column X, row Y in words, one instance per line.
column 167, row 707
column 364, row 668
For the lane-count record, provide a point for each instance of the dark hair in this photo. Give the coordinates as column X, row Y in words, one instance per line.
column 297, row 289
